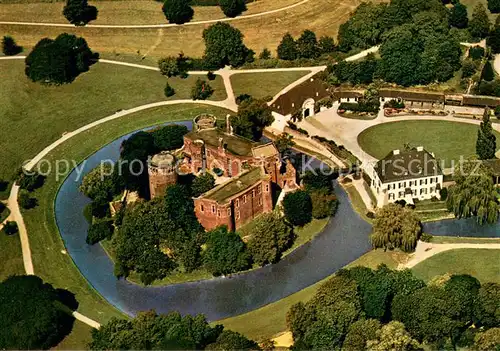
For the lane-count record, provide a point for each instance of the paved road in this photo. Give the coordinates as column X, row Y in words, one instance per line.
column 162, row 25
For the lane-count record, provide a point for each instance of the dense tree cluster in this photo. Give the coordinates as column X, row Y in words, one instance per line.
column 79, row 12
column 306, row 46
column 354, row 72
column 150, row 331
column 474, row 194
column 173, row 66
column 32, row 314
column 9, row 46
column 252, row 117
column 59, row 61
column 384, row 309
column 319, row 185
column 178, row 11
column 224, row 46
column 395, row 226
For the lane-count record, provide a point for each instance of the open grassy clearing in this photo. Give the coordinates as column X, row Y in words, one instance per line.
column 447, row 140
column 78, row 339
column 270, row 320
column 11, row 257
column 484, row 264
column 47, row 247
column 260, row 85
column 124, row 12
column 260, row 32
column 33, row 116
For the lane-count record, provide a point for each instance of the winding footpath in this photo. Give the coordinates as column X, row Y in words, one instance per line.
column 162, row 25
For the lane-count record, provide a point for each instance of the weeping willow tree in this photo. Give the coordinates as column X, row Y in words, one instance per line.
column 474, row 194
column 396, row 227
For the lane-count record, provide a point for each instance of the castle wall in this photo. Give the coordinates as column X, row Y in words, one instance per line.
column 160, row 179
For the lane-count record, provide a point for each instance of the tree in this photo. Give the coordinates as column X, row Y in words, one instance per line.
column 253, row 116
column 230, row 340
column 488, row 340
column 201, row 90
column 307, row 45
column 458, row 16
column 298, row 208
column 150, row 331
column 59, row 61
column 202, row 184
column 468, row 68
column 30, row 181
column 395, row 227
column 265, row 54
column 284, row 142
column 178, row 11
column 324, row 204
column 473, row 194
column 103, row 182
column 9, row 46
column 298, row 318
column 26, row 201
column 224, row 46
column 494, row 6
column 225, row 252
column 169, row 137
column 487, row 305
column 10, row 228
column 493, row 40
column 360, row 332
column 172, row 66
column 486, row 145
column 476, row 52
column 169, row 91
column 488, row 74
column 99, row 231
column 270, row 236
column 79, row 12
column 287, row 49
column 233, row 8
column 464, row 290
column 479, row 25
column 393, row 336
column 31, row 314
column 326, row 45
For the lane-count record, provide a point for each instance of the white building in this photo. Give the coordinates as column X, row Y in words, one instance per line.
column 406, row 175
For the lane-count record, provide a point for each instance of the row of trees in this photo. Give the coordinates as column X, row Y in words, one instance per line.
column 180, row 11
column 307, row 46
column 384, row 309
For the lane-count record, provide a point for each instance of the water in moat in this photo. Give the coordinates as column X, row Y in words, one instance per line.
column 344, row 239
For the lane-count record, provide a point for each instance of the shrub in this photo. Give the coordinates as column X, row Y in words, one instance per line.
column 211, row 75
column 201, row 90
column 218, row 172
column 169, row 91
column 323, row 204
column 9, row 46
column 363, row 105
column 394, row 104
column 426, row 238
column 99, row 231
column 10, row 228
column 370, row 214
column 265, row 54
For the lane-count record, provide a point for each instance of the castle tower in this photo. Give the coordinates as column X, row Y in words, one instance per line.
column 162, row 173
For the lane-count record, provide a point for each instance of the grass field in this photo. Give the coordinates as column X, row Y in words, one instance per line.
column 11, row 257
column 448, row 140
column 50, row 262
column 480, row 263
column 33, row 116
column 270, row 320
column 260, row 32
column 260, row 85
column 460, row 240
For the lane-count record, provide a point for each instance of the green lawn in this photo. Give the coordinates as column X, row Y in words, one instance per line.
column 260, row 85
column 4, row 214
column 461, row 240
column 49, row 261
column 33, row 116
column 78, row 339
column 448, row 140
column 11, row 257
column 484, row 264
column 270, row 320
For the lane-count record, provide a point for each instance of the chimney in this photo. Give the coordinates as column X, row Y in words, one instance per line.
column 420, row 148
column 395, row 152
column 229, row 128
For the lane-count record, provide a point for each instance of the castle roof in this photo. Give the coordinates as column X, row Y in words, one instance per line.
column 163, row 160
column 236, row 185
column 407, row 164
column 233, row 143
column 264, row 151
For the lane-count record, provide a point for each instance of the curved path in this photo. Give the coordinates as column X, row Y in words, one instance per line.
column 163, row 25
